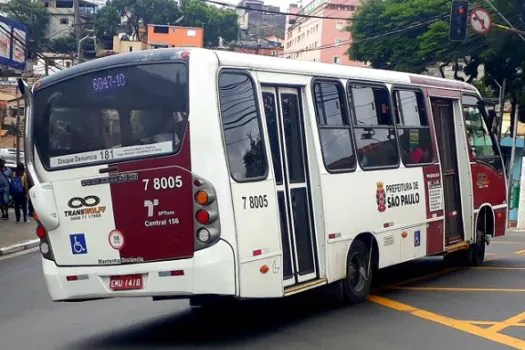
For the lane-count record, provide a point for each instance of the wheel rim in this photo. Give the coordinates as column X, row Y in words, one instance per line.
column 356, row 273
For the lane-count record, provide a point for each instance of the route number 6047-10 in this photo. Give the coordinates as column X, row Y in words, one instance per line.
column 164, row 183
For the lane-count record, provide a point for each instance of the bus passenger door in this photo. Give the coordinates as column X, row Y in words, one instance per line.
column 443, row 112
column 284, row 119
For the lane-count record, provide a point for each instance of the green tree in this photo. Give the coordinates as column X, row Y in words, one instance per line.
column 411, row 35
column 35, row 16
column 107, row 23
column 146, row 11
column 215, row 21
column 66, row 44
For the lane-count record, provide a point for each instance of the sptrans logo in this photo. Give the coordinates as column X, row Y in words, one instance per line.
column 380, row 197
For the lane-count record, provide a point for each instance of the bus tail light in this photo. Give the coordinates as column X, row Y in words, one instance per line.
column 203, row 235
column 41, row 232
column 204, row 197
column 206, row 209
column 203, row 217
column 45, row 247
column 206, row 216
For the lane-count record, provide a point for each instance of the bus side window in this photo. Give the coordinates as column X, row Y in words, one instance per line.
column 334, row 128
column 241, row 124
column 412, row 128
column 373, row 126
column 481, row 140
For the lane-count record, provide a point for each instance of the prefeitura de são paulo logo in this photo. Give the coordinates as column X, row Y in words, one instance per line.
column 380, row 197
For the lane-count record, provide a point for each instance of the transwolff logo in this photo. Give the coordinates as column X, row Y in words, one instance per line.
column 84, row 208
column 380, row 197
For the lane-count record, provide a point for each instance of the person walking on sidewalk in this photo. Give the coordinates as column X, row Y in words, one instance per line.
column 18, row 192
column 5, row 182
column 28, row 183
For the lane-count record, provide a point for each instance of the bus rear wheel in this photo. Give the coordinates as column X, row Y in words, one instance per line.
column 356, row 285
column 473, row 256
column 476, row 253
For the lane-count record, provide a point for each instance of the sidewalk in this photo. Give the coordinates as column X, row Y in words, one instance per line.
column 15, row 237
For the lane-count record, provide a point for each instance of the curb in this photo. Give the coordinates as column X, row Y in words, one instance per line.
column 15, row 248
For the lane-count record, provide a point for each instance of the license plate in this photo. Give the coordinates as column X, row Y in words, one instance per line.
column 126, row 282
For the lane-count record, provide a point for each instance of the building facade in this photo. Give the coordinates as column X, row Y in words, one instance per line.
column 122, row 43
column 320, row 39
column 255, row 24
column 160, row 36
column 62, row 16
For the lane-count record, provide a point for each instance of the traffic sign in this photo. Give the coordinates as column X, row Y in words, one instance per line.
column 480, row 21
column 458, row 20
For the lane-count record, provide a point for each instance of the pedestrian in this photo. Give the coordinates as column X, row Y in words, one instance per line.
column 28, row 183
column 5, row 182
column 19, row 193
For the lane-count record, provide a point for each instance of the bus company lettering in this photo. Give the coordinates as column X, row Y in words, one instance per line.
column 85, row 213
column 396, row 195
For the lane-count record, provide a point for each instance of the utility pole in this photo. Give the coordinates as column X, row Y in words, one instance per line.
column 17, row 127
column 501, row 107
column 76, row 22
column 512, row 153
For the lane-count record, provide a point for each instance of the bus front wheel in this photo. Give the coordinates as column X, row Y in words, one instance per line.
column 356, row 285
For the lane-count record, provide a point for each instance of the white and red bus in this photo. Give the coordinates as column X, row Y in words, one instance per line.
column 187, row 173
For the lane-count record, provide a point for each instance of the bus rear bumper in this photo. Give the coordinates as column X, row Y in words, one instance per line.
column 210, row 271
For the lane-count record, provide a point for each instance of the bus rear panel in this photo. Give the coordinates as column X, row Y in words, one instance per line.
column 121, row 211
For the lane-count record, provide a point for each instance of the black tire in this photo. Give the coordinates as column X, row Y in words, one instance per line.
column 356, row 285
column 476, row 254
column 473, row 256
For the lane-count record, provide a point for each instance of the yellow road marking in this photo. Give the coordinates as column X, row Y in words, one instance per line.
column 519, row 252
column 507, row 323
column 450, row 322
column 491, row 323
column 453, row 289
column 480, row 323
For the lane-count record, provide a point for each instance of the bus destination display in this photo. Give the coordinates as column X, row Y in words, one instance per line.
column 109, row 82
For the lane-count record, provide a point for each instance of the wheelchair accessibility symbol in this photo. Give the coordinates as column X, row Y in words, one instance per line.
column 78, row 243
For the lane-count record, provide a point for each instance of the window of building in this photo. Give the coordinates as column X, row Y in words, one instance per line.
column 240, row 118
column 161, row 29
column 338, row 42
column 481, row 140
column 334, row 127
column 337, row 59
column 412, row 127
column 340, row 26
column 64, row 4
column 374, row 130
column 64, row 21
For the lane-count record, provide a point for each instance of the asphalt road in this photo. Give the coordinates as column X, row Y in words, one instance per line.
column 435, row 308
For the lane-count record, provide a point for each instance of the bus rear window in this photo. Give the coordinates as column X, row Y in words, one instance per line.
column 112, row 115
